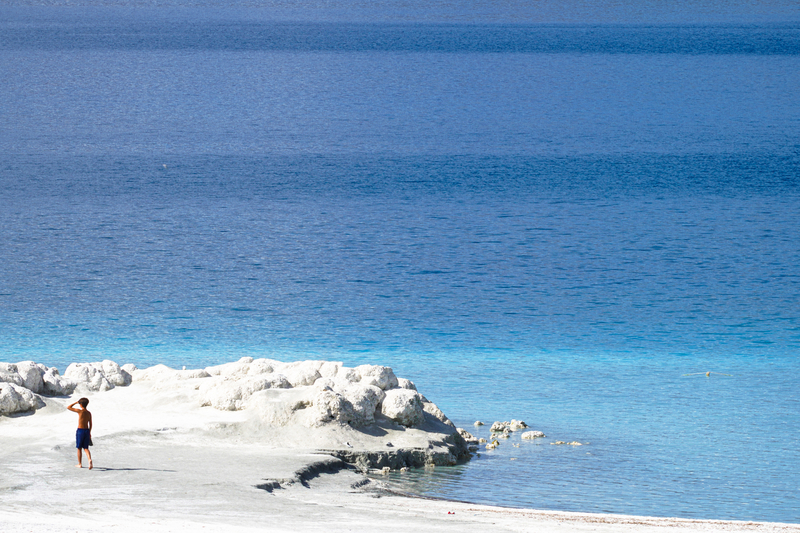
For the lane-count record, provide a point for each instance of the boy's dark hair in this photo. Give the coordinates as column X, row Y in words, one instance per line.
column 84, row 402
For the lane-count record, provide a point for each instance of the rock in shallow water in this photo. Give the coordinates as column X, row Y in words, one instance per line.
column 530, row 435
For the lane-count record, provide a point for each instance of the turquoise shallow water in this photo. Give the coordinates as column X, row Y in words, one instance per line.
column 555, row 224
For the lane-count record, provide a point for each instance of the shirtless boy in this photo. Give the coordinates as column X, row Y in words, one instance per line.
column 83, row 437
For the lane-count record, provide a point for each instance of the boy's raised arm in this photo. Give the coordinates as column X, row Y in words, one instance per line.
column 72, row 408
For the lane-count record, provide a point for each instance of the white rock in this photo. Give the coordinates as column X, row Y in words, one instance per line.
column 55, row 384
column 467, row 436
column 325, row 383
column 237, row 369
column 197, row 373
column 31, row 374
column 36, row 378
column 16, row 399
column 115, row 375
column 330, row 406
column 329, row 369
column 97, row 376
column 404, row 406
column 515, row 425
column 498, row 426
column 530, row 435
column 365, row 400
column 302, row 373
column 263, row 366
column 232, row 395
column 10, row 374
column 379, row 376
column 406, row 384
column 88, row 377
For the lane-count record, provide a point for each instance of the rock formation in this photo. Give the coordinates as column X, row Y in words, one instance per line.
column 312, row 394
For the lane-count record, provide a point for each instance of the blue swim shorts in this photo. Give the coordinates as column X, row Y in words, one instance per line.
column 83, row 439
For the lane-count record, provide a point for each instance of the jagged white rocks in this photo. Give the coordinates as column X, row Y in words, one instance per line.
column 331, row 406
column 514, row 425
column 55, row 384
column 10, row 374
column 311, row 393
column 25, row 374
column 94, row 377
column 322, row 391
column 406, row 384
column 498, row 426
column 36, row 378
column 467, row 436
column 404, row 406
column 378, row 376
column 17, row 399
column 365, row 400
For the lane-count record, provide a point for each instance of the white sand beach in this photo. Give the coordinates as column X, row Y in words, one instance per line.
column 164, row 463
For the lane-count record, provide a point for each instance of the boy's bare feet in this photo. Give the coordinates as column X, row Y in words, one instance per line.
column 78, row 466
column 91, row 465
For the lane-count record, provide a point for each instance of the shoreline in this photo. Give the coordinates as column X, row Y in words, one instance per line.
column 166, row 463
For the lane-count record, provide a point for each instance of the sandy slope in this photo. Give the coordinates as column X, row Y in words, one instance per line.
column 162, row 464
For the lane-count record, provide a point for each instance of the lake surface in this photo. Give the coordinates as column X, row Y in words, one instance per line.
column 565, row 215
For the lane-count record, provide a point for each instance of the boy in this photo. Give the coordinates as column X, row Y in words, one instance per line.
column 83, row 437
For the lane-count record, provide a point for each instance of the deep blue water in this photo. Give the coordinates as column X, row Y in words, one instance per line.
column 553, row 215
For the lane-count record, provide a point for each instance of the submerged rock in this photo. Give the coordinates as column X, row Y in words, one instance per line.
column 514, row 425
column 530, row 435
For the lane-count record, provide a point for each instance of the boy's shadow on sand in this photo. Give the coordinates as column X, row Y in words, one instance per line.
column 106, row 469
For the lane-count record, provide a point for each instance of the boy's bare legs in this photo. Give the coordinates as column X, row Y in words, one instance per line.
column 80, row 459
